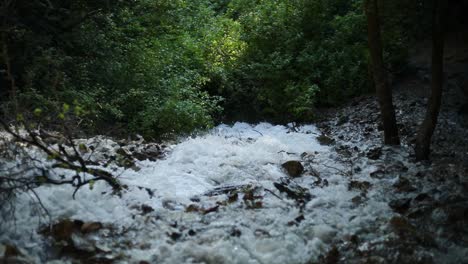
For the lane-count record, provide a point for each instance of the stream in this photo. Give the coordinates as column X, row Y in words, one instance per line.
column 221, row 197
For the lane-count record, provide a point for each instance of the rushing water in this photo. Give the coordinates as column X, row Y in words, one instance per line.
column 276, row 230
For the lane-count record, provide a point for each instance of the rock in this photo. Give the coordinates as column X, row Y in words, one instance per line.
column 314, row 172
column 10, row 254
column 150, row 152
column 404, row 185
column 378, row 174
column 457, row 212
column 296, row 220
column 422, row 197
column 235, row 232
column 124, row 152
column 294, row 168
column 333, row 256
column 153, row 152
column 325, row 140
column 146, row 209
column 358, row 200
column 398, row 166
column 229, row 189
column 175, row 235
column 401, row 226
column 375, row 153
column 292, row 189
column 400, row 205
column 359, row 185
column 63, row 230
column 419, row 211
column 193, row 208
column 8, row 251
column 90, row 227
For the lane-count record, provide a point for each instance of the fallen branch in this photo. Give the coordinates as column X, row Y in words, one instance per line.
column 65, row 160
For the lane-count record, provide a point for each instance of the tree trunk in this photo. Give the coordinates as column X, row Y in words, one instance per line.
column 423, row 140
column 9, row 74
column 384, row 92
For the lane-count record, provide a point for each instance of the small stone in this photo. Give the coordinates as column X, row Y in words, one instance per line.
column 90, row 227
column 192, row 208
column 400, row 205
column 292, row 189
column 374, row 154
column 325, row 140
column 62, row 231
column 333, row 256
column 294, row 168
column 378, row 174
column 146, row 209
column 404, row 185
column 124, row 152
column 8, row 251
column 359, row 185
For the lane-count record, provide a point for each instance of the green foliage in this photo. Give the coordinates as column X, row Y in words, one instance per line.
column 164, row 67
column 298, row 54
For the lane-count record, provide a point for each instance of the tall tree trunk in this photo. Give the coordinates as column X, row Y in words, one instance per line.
column 9, row 74
column 384, row 92
column 423, row 139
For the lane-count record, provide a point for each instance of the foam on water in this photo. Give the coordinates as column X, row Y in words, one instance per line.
column 228, row 155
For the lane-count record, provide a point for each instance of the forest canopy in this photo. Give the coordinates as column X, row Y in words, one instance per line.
column 167, row 67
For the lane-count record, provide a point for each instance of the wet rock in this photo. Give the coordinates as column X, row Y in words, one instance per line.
column 374, row 154
column 400, row 205
column 342, row 120
column 358, row 200
column 397, row 166
column 150, row 151
column 457, row 212
column 344, row 151
column 124, row 152
column 294, row 168
column 359, row 185
column 175, row 235
column 332, row 257
column 314, row 172
column 235, row 232
column 296, row 220
column 325, row 140
column 10, row 254
column 439, row 216
column 228, row 189
column 404, row 185
column 408, row 232
column 251, row 200
column 192, row 208
column 63, row 230
column 419, row 212
column 401, row 226
column 292, row 189
column 261, row 233
column 90, row 227
column 378, row 174
column 8, row 251
column 146, row 209
column 422, row 197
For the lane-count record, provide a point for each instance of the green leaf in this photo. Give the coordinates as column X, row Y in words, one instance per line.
column 37, row 112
